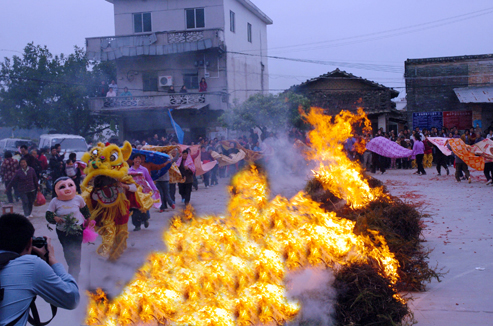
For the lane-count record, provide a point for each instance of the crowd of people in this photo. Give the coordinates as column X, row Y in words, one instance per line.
column 425, row 154
column 20, row 172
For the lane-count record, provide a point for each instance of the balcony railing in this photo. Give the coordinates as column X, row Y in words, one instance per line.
column 177, row 101
column 159, row 43
column 132, row 101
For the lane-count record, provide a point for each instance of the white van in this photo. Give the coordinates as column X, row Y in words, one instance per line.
column 13, row 144
column 70, row 143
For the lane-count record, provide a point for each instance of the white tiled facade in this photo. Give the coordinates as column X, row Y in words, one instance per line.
column 236, row 75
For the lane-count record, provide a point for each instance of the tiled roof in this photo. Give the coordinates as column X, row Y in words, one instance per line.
column 343, row 74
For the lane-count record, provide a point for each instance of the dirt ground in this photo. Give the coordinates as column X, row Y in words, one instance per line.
column 459, row 230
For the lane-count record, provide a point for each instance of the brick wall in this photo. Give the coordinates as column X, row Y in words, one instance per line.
column 430, row 87
column 430, row 83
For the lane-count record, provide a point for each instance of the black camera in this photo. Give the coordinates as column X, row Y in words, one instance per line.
column 39, row 242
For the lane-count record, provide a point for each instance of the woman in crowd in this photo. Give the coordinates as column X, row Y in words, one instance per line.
column 203, row 85
column 419, row 152
column 7, row 172
column 43, row 161
column 27, row 184
column 138, row 217
column 428, row 157
column 187, row 170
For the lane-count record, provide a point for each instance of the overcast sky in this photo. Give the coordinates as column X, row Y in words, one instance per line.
column 346, row 34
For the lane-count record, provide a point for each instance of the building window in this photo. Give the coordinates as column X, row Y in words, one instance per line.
column 191, row 81
column 232, row 26
column 195, row 18
column 149, row 82
column 142, row 22
column 249, row 32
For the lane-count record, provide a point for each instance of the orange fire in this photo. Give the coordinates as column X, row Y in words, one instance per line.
column 336, row 171
column 360, row 145
column 230, row 270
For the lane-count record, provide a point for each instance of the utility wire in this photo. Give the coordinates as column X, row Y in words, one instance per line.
column 391, row 33
column 96, row 85
column 11, row 50
column 381, row 68
column 260, row 90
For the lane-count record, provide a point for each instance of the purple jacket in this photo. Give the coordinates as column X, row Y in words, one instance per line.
column 418, row 148
column 27, row 180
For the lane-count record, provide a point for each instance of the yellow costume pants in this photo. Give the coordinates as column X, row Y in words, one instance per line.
column 428, row 160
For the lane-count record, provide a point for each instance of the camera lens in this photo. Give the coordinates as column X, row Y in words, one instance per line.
column 39, row 242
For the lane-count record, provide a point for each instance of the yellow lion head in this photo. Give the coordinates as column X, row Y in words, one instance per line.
column 106, row 160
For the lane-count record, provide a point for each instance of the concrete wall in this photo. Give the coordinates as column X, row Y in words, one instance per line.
column 246, row 74
column 237, row 75
column 130, row 71
column 166, row 15
column 245, row 71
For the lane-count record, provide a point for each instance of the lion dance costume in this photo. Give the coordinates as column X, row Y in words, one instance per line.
column 110, row 192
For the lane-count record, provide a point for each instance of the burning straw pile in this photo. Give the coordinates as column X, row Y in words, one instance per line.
column 231, row 269
column 364, row 296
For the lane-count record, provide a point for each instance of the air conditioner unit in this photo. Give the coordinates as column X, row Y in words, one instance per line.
column 165, row 81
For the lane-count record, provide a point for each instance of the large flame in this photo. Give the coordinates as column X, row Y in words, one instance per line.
column 336, row 171
column 230, row 270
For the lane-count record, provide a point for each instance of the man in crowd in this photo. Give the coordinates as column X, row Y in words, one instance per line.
column 155, row 140
column 59, row 154
column 23, row 275
column 126, row 93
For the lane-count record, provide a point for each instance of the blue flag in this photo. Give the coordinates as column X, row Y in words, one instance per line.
column 179, row 132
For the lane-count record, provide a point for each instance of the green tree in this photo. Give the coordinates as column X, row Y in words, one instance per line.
column 268, row 112
column 41, row 90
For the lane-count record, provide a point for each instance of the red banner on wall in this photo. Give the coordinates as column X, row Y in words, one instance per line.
column 460, row 119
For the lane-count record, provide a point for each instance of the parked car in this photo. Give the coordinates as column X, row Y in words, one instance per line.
column 70, row 143
column 13, row 144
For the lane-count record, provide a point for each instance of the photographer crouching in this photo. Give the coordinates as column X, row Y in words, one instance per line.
column 27, row 271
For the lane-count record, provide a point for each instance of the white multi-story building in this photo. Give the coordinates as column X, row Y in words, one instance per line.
column 162, row 45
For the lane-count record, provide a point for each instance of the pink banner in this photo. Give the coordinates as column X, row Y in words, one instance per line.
column 197, row 160
column 388, row 148
column 441, row 143
column 484, row 148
